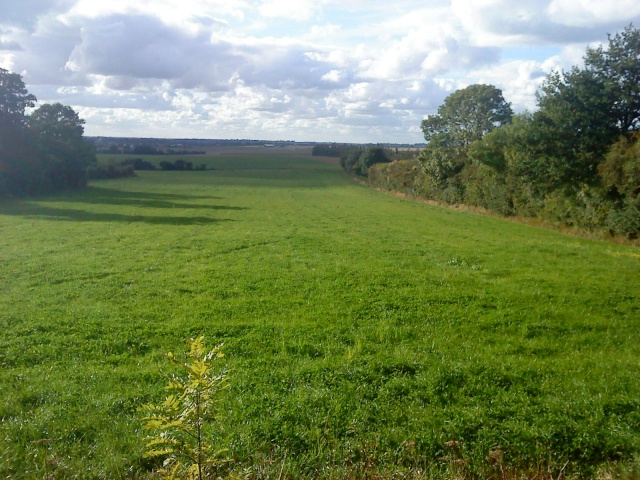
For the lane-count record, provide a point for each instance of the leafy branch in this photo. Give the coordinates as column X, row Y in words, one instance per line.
column 180, row 425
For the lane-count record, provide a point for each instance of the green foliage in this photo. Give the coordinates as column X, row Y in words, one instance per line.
column 179, row 165
column 111, row 169
column 574, row 126
column 14, row 99
column 57, row 130
column 464, row 118
column 43, row 152
column 564, row 163
column 404, row 176
column 486, row 188
column 618, row 69
column 441, row 162
column 330, row 150
column 490, row 149
column 584, row 111
column 181, row 426
column 350, row 161
column 16, row 152
column 138, row 164
column 620, row 172
column 370, row 157
column 358, row 161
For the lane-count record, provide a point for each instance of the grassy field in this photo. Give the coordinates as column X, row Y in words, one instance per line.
column 366, row 335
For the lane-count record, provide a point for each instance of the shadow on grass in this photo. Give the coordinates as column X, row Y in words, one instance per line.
column 65, row 214
column 109, row 196
column 118, row 198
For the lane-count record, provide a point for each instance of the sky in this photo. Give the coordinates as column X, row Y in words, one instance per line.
column 362, row 71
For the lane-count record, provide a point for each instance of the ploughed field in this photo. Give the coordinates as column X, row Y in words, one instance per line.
column 365, row 335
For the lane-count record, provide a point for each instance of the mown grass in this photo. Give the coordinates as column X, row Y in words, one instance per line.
column 366, row 335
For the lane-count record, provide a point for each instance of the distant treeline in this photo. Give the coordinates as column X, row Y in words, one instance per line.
column 42, row 152
column 330, row 150
column 357, row 160
column 147, row 149
column 46, row 151
column 575, row 161
column 125, row 168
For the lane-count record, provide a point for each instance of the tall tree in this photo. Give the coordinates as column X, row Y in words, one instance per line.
column 42, row 152
column 465, row 117
column 14, row 99
column 58, row 131
column 584, row 111
column 16, row 151
column 618, row 68
column 370, row 157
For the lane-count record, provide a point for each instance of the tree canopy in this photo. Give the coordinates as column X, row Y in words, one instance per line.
column 14, row 98
column 464, row 118
column 617, row 68
column 467, row 115
column 41, row 152
column 574, row 161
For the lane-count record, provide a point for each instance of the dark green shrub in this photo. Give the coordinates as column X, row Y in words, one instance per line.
column 486, row 188
column 139, row 164
column 370, row 157
column 110, row 170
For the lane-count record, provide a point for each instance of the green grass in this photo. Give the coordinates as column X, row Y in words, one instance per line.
column 365, row 334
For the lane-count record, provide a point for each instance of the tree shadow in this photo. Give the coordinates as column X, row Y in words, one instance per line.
column 65, row 214
column 107, row 196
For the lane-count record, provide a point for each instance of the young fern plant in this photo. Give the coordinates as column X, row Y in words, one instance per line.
column 181, row 425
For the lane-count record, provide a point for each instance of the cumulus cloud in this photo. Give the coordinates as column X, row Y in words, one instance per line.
column 26, row 13
column 313, row 69
column 301, row 10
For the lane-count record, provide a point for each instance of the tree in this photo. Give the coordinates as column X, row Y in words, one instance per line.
column 465, row 117
column 41, row 152
column 182, row 425
column 16, row 152
column 14, row 99
column 620, row 171
column 349, row 161
column 57, row 131
column 584, row 111
column 575, row 124
column 618, row 68
column 369, row 157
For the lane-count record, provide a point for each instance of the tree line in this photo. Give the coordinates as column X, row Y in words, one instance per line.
column 575, row 161
column 42, row 152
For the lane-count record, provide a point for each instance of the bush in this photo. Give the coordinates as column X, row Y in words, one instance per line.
column 370, row 157
column 349, row 161
column 177, row 165
column 404, row 176
column 486, row 188
column 182, row 425
column 625, row 220
column 139, row 164
column 110, row 170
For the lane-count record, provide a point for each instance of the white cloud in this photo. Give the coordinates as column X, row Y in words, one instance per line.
column 586, row 13
column 313, row 69
column 300, row 10
column 333, row 76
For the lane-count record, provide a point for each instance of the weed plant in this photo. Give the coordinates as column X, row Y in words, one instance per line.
column 368, row 336
column 180, row 427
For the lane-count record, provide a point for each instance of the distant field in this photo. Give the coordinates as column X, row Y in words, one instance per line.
column 366, row 335
column 238, row 157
